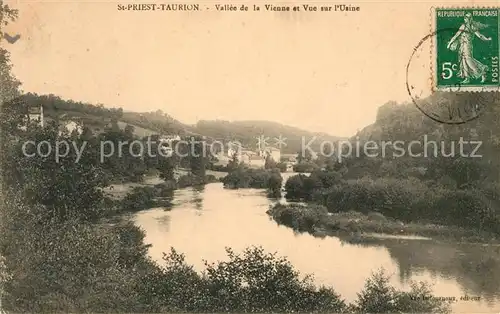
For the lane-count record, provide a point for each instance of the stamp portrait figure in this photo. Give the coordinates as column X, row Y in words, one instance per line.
column 469, row 67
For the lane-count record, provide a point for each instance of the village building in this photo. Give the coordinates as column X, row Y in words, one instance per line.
column 289, row 158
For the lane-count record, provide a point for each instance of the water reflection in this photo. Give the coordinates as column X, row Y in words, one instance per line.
column 204, row 220
column 164, row 222
column 197, row 192
column 475, row 268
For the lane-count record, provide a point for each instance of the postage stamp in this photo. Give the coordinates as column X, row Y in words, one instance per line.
column 465, row 49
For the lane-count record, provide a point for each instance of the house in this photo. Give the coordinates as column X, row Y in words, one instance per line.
column 169, row 138
column 36, row 114
column 247, row 155
column 275, row 154
column 166, row 140
column 70, row 126
column 166, row 151
column 256, row 161
column 291, row 158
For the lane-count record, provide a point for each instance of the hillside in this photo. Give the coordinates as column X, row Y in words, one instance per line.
column 248, row 131
column 97, row 117
column 405, row 123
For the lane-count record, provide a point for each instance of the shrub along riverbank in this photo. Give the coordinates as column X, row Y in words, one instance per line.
column 159, row 195
column 316, row 220
column 243, row 177
column 425, row 207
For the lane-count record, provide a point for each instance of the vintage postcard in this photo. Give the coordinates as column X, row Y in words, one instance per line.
column 252, row 156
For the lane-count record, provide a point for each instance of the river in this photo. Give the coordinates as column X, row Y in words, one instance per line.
column 203, row 221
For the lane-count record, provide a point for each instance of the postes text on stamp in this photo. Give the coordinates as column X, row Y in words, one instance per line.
column 466, row 49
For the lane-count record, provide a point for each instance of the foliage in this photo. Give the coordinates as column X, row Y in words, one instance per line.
column 253, row 178
column 234, row 163
column 198, row 157
column 299, row 217
column 140, row 198
column 68, row 188
column 192, row 180
column 303, row 187
column 269, row 162
column 282, row 166
column 305, row 166
column 69, row 266
column 252, row 282
column 274, row 184
column 412, row 200
column 54, row 106
column 378, row 296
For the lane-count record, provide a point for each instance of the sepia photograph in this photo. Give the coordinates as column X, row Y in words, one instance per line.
column 249, row 157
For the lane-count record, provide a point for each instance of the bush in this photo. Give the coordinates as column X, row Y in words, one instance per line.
column 302, row 187
column 188, row 180
column 210, row 178
column 274, row 184
column 75, row 267
column 282, row 166
column 305, row 167
column 166, row 188
column 253, row 178
column 409, row 200
column 221, row 168
column 378, row 296
column 299, row 217
column 294, row 187
column 252, row 282
column 140, row 198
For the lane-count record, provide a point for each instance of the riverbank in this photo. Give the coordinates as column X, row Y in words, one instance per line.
column 151, row 192
column 119, row 191
column 355, row 226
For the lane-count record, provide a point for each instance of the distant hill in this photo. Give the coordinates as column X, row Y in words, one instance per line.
column 247, row 132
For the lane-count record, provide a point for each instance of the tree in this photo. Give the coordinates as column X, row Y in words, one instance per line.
column 129, row 130
column 197, row 158
column 233, row 163
column 166, row 166
column 269, row 163
column 274, row 184
column 9, row 85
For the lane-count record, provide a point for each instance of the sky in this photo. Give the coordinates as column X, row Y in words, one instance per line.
column 320, row 71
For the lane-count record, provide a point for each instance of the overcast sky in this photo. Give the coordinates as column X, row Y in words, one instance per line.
column 324, row 72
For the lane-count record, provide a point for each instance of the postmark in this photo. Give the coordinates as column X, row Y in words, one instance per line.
column 461, row 82
column 466, row 49
column 454, row 104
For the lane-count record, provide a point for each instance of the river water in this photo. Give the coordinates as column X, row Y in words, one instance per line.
column 203, row 221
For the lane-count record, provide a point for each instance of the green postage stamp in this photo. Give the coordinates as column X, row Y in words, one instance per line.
column 466, row 49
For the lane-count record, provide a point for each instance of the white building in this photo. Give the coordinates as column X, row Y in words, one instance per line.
column 170, row 138
column 256, row 161
column 289, row 158
column 275, row 153
column 71, row 126
column 36, row 114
